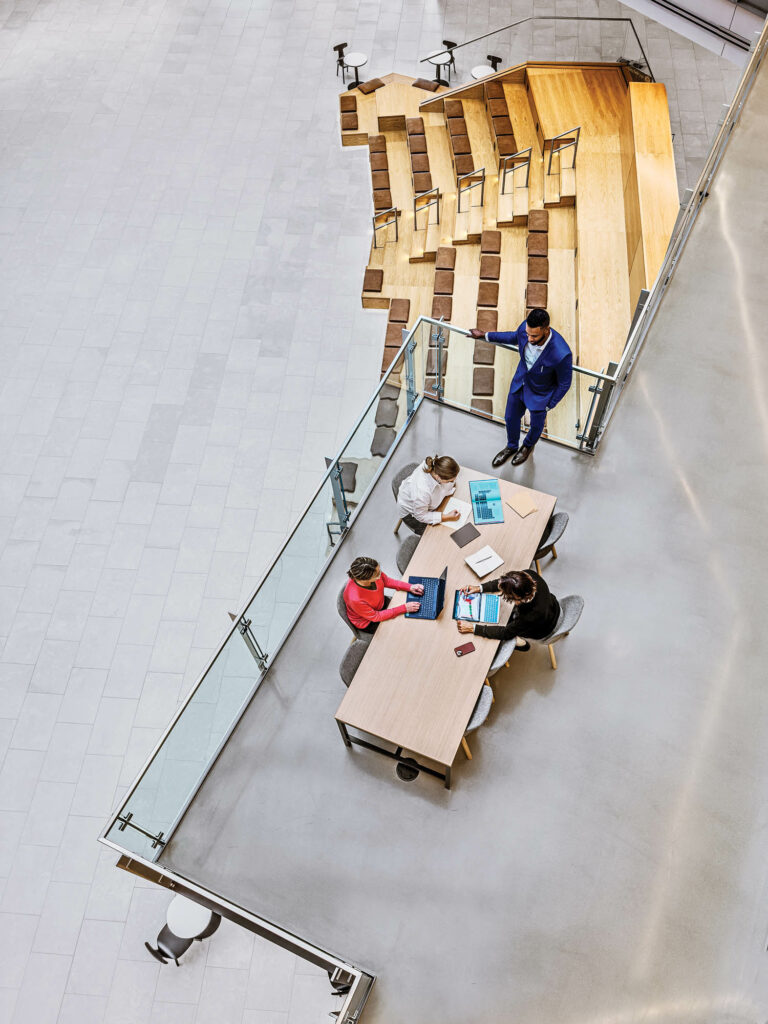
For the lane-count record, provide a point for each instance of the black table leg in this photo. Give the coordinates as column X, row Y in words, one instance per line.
column 344, row 733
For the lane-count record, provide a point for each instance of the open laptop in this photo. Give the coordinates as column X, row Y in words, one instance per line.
column 476, row 607
column 432, row 600
column 486, row 502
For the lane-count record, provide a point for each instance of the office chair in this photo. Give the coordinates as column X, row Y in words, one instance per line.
column 493, row 61
column 479, row 715
column 405, row 552
column 503, row 654
column 350, row 663
column 450, row 46
column 339, row 50
column 554, row 531
column 571, row 608
column 169, row 946
column 399, row 477
column 342, row 610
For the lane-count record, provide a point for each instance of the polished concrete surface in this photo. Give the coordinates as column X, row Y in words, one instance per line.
column 603, row 857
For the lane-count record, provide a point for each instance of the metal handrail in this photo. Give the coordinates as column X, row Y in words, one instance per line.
column 461, row 189
column 547, row 17
column 505, row 169
column 419, row 205
column 566, row 145
column 377, row 227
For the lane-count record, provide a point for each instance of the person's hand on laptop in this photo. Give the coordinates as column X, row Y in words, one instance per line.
column 465, row 627
column 471, row 589
column 416, row 588
column 412, row 606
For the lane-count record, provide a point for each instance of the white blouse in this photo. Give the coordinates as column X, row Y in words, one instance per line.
column 420, row 494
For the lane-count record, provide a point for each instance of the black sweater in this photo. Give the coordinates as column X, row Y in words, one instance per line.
column 534, row 620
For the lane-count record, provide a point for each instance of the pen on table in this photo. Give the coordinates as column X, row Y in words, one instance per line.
column 483, row 559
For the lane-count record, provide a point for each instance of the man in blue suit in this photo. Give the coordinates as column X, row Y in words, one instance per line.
column 541, row 379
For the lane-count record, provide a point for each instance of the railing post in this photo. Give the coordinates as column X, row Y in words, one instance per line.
column 339, row 499
column 410, row 376
column 439, row 339
column 253, row 645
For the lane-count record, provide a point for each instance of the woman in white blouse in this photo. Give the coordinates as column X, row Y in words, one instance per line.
column 422, row 491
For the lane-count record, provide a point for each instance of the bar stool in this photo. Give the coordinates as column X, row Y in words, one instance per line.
column 355, row 60
column 450, row 47
column 481, row 71
column 441, row 61
column 185, row 921
column 339, row 49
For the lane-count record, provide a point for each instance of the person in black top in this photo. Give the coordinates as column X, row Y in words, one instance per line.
column 535, row 610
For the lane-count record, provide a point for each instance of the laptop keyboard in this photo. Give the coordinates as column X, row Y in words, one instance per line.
column 429, row 598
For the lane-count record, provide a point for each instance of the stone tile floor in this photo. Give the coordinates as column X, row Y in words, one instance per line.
column 182, row 244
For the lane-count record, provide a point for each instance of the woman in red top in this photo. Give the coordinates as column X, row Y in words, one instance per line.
column 364, row 595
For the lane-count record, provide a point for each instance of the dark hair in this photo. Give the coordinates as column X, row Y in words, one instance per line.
column 445, row 467
column 518, row 586
column 538, row 318
column 362, row 569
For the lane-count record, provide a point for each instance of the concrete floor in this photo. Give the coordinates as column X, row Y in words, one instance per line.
column 182, row 343
column 604, row 855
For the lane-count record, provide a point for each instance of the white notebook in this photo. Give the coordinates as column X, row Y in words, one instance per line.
column 484, row 561
column 463, row 506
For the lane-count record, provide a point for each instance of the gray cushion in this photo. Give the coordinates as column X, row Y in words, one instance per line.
column 348, row 475
column 383, row 439
column 386, row 413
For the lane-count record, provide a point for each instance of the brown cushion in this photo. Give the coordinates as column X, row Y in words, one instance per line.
column 461, row 144
column 490, row 267
column 347, row 102
column 502, row 126
column 388, row 355
column 538, row 268
column 417, row 144
column 419, row 162
column 370, row 86
column 482, row 380
column 380, row 179
column 490, row 241
column 382, row 199
column 426, row 84
column 446, row 258
column 414, row 125
column 442, row 306
column 538, row 243
column 399, row 311
column 377, row 143
column 506, row 145
column 463, row 164
column 422, row 182
column 483, row 405
column 498, row 107
column 373, row 280
column 378, row 161
column 538, row 220
column 494, row 90
column 488, row 293
column 457, row 126
column 394, row 335
column 453, row 108
column 536, row 295
column 349, row 122
column 443, row 282
column 432, row 361
column 485, row 353
column 487, row 320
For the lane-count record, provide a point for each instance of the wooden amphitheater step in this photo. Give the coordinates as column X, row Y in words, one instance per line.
column 468, row 226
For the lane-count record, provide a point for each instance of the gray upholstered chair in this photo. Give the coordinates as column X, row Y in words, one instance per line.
column 342, row 610
column 350, row 663
column 503, row 654
column 479, row 715
column 554, row 531
column 571, row 608
column 399, row 477
column 405, row 552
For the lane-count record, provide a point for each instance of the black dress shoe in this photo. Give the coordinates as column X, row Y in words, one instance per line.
column 523, row 647
column 503, row 455
column 521, row 455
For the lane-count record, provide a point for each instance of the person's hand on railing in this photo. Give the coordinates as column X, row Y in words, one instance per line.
column 477, row 334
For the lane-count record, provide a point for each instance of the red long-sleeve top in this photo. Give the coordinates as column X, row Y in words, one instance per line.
column 366, row 604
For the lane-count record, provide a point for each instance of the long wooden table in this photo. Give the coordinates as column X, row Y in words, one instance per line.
column 410, row 689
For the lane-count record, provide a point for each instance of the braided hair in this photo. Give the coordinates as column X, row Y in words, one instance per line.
column 362, row 569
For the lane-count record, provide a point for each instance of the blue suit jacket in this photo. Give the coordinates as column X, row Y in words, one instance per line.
column 549, row 378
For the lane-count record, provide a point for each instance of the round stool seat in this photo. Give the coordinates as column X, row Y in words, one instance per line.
column 482, row 71
column 440, row 58
column 186, row 918
column 355, row 60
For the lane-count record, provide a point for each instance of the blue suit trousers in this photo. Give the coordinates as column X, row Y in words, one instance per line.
column 514, row 413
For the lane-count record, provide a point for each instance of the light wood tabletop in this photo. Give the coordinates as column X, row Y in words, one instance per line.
column 411, row 689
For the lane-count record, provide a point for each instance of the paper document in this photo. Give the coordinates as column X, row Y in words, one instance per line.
column 522, row 503
column 463, row 507
column 484, row 561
